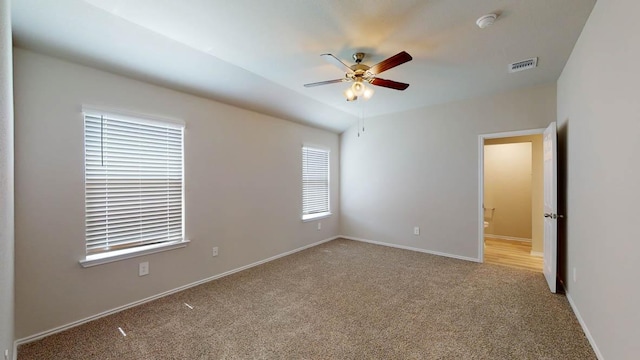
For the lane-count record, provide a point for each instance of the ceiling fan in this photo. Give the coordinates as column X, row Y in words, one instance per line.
column 360, row 73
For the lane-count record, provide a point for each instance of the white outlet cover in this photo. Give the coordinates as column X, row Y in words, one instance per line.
column 143, row 268
column 215, row 251
column 416, row 230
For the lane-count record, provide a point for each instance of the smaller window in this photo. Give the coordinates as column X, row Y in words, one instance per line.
column 315, row 183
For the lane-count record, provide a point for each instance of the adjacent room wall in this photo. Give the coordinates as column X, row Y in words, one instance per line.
column 243, row 191
column 420, row 168
column 537, row 187
column 507, row 189
column 6, row 183
column 599, row 127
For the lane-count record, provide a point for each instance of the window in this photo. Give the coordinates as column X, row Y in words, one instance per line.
column 315, row 183
column 133, row 184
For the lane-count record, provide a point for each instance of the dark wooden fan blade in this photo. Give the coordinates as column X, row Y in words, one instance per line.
column 395, row 60
column 389, row 84
column 326, row 82
column 337, row 62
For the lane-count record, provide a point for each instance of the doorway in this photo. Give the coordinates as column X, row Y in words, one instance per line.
column 511, row 199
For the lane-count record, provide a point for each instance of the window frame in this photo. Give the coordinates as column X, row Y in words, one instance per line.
column 320, row 215
column 134, row 251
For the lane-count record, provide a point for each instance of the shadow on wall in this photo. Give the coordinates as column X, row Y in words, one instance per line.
column 563, row 139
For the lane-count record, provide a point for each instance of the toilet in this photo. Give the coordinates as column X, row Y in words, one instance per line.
column 488, row 215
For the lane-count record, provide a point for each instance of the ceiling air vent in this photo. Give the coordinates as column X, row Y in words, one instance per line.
column 523, row 65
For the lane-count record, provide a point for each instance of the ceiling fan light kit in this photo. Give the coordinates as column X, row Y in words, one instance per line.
column 360, row 73
column 486, row 20
column 358, row 88
column 350, row 95
column 368, row 93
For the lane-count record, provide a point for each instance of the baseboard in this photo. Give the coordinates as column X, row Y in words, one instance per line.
column 503, row 237
column 592, row 342
column 58, row 329
column 536, row 253
column 410, row 248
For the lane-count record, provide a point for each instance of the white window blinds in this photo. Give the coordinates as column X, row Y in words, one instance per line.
column 315, row 182
column 133, row 183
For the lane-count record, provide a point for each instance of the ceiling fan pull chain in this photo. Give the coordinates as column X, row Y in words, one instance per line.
column 361, row 118
column 361, row 104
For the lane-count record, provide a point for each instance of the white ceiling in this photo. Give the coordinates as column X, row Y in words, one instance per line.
column 257, row 54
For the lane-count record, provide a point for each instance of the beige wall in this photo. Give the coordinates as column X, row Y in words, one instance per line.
column 537, row 178
column 420, row 168
column 242, row 187
column 599, row 133
column 6, row 182
column 507, row 189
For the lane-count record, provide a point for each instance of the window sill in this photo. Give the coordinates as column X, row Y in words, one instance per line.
column 105, row 258
column 318, row 216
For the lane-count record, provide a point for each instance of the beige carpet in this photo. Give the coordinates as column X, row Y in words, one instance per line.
column 341, row 300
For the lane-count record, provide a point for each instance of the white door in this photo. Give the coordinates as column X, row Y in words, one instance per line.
column 550, row 146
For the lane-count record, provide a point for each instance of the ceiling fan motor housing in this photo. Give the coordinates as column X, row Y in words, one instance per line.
column 359, row 72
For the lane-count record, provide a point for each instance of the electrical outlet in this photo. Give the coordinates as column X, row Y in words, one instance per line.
column 214, row 252
column 319, row 226
column 143, row 268
column 416, row 230
column 6, row 354
column 574, row 275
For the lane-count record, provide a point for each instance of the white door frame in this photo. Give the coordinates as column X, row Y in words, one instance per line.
column 481, row 139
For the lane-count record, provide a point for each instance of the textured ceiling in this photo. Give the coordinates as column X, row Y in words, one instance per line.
column 258, row 54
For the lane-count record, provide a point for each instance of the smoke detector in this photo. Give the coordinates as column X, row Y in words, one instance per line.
column 486, row 20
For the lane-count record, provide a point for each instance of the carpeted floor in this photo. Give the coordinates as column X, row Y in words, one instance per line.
column 341, row 300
